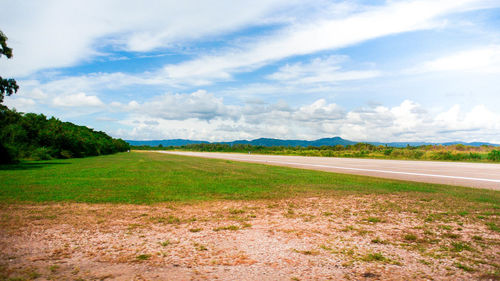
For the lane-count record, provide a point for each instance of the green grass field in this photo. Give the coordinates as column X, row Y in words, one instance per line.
column 145, row 178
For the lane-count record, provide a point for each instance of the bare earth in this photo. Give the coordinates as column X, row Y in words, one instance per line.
column 480, row 175
column 368, row 237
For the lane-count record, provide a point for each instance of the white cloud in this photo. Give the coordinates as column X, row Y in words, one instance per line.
column 199, row 105
column 62, row 33
column 169, row 116
column 480, row 60
column 77, row 100
column 323, row 34
column 320, row 70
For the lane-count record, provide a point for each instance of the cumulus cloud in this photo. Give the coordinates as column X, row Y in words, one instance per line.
column 77, row 100
column 408, row 121
column 199, row 105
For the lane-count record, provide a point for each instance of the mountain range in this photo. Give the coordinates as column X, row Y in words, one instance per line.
column 279, row 142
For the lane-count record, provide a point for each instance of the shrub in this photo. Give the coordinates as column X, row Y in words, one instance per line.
column 494, row 155
column 41, row 153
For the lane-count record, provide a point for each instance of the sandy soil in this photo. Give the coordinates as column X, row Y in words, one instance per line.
column 351, row 238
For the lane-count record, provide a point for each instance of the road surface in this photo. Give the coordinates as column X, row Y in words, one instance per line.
column 479, row 175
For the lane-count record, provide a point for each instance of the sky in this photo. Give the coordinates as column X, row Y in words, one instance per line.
column 424, row 70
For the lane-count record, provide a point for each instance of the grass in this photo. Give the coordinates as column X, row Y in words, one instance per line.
column 374, row 257
column 143, row 257
column 165, row 243
column 229, row 227
column 410, row 237
column 464, row 267
column 146, row 178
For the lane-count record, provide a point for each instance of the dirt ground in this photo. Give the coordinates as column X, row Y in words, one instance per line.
column 372, row 237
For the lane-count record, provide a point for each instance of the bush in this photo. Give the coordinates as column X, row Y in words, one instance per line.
column 494, row 155
column 41, row 153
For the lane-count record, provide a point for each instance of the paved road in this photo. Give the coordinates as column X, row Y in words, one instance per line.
column 478, row 175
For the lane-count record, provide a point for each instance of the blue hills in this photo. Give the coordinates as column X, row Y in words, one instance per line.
column 279, row 142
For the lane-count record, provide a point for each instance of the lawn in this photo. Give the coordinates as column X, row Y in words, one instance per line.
column 195, row 218
column 145, row 178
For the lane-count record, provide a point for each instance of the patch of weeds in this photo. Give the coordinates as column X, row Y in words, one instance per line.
column 480, row 217
column 463, row 213
column 236, row 211
column 493, row 226
column 460, row 246
column 363, row 232
column 324, row 247
column 133, row 226
column 373, row 219
column 327, row 214
column 379, row 241
column 172, row 220
column 295, row 279
column 229, row 227
column 307, row 252
column 143, row 257
column 428, row 232
column 464, row 267
column 374, row 257
column 348, row 228
column 169, row 220
column 410, row 237
column 33, row 274
column 195, row 229
column 252, row 216
column 477, row 238
column 200, row 247
column 289, row 213
column 422, row 261
column 246, row 225
column 53, row 268
column 492, row 275
column 451, row 235
column 445, row 227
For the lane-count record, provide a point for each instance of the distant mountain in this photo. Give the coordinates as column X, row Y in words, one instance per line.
column 279, row 142
column 173, row 142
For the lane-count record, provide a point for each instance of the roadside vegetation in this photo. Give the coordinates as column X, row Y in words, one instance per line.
column 457, row 152
column 146, row 178
column 35, row 137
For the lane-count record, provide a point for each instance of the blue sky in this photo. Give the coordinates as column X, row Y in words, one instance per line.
column 226, row 70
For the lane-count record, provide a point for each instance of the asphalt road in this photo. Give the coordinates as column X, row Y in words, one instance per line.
column 479, row 175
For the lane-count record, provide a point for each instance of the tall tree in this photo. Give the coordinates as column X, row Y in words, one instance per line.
column 7, row 86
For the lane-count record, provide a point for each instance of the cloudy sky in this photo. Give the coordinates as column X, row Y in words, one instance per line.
column 226, row 69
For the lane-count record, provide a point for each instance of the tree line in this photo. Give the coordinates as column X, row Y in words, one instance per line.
column 33, row 136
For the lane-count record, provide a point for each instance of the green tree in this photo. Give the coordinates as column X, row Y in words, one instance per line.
column 7, row 86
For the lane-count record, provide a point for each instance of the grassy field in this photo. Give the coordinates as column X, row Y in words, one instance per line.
column 145, row 178
column 195, row 218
